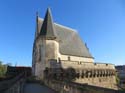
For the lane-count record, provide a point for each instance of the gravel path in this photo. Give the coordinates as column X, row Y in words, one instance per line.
column 37, row 88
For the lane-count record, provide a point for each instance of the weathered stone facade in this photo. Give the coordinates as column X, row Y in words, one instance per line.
column 13, row 85
column 121, row 75
column 72, row 87
column 57, row 48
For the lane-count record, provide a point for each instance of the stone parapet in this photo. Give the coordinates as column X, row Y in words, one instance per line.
column 72, row 87
column 97, row 74
column 14, row 85
column 80, row 65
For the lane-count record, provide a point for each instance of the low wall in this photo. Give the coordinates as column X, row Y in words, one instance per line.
column 14, row 85
column 96, row 74
column 80, row 65
column 71, row 87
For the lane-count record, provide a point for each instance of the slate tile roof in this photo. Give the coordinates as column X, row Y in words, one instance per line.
column 69, row 41
column 47, row 27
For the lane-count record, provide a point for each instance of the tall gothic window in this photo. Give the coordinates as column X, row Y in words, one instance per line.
column 39, row 52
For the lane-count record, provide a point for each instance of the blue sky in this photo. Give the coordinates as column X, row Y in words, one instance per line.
column 100, row 23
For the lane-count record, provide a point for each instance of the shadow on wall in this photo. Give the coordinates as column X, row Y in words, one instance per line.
column 56, row 72
column 61, row 79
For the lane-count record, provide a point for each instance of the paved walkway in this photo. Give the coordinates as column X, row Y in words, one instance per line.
column 37, row 88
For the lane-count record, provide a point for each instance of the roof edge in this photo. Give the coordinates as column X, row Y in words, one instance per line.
column 41, row 19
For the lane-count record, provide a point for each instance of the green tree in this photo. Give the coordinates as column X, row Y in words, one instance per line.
column 3, row 69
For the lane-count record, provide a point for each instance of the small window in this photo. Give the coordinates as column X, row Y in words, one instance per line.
column 68, row 58
column 80, row 62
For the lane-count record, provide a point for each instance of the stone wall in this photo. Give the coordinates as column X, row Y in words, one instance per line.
column 79, row 65
column 121, row 75
column 75, row 58
column 14, row 85
column 45, row 50
column 96, row 74
column 71, row 87
column 88, row 65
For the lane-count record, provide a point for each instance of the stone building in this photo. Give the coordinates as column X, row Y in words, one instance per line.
column 57, row 48
column 121, row 74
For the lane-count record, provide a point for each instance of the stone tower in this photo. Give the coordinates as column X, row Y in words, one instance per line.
column 44, row 47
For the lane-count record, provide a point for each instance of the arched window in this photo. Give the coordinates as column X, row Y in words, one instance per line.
column 82, row 76
column 77, row 75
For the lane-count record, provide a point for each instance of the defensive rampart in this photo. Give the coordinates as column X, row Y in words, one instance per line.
column 14, row 85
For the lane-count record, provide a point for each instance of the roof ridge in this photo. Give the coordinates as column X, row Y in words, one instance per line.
column 41, row 19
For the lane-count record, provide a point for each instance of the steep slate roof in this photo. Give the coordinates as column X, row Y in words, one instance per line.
column 69, row 41
column 47, row 28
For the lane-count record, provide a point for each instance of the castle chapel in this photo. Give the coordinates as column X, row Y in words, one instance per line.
column 59, row 53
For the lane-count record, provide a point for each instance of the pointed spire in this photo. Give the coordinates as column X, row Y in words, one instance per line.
column 37, row 15
column 36, row 33
column 47, row 28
